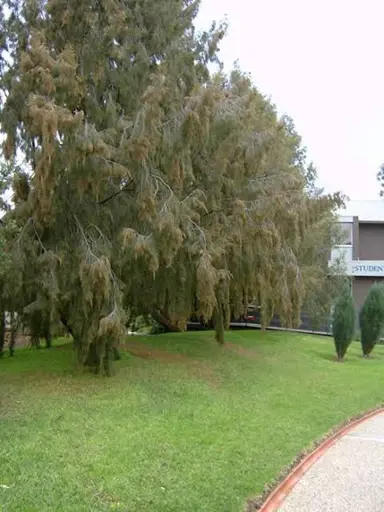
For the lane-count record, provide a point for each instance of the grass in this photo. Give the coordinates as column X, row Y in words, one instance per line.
column 183, row 426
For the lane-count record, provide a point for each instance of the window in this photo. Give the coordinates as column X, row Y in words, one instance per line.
column 346, row 233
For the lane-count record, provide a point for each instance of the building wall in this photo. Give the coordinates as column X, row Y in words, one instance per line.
column 371, row 242
column 363, row 224
column 370, row 246
column 355, row 238
column 360, row 287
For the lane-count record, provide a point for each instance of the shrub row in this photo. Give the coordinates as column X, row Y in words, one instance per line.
column 371, row 320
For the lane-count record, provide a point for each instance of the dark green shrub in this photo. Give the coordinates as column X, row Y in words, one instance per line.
column 343, row 322
column 145, row 324
column 156, row 328
column 372, row 318
column 141, row 323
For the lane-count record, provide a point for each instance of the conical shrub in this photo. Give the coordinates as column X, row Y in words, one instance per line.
column 372, row 318
column 343, row 322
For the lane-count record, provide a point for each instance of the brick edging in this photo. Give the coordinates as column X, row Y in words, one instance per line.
column 277, row 496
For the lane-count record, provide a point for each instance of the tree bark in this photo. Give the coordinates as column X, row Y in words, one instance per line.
column 93, row 359
column 100, row 357
column 12, row 341
column 219, row 324
column 64, row 321
column 168, row 325
column 2, row 333
column 48, row 336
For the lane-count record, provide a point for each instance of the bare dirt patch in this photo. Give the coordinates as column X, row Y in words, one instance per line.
column 241, row 351
column 140, row 350
column 195, row 367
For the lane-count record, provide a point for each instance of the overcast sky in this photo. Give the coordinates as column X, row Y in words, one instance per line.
column 321, row 62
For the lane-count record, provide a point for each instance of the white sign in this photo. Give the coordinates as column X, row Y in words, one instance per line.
column 367, row 268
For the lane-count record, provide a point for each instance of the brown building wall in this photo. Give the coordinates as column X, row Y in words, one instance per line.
column 360, row 287
column 355, row 238
column 371, row 242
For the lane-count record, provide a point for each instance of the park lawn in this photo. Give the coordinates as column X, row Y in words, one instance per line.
column 184, row 426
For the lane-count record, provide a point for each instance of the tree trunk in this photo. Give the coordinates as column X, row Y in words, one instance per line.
column 219, row 325
column 168, row 325
column 48, row 337
column 64, row 321
column 35, row 341
column 48, row 341
column 2, row 333
column 116, row 354
column 12, row 341
column 93, row 358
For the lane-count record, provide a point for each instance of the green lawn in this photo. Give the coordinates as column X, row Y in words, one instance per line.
column 183, row 426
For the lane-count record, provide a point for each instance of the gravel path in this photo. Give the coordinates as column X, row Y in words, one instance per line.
column 349, row 477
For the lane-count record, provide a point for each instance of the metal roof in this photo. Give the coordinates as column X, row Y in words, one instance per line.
column 367, row 211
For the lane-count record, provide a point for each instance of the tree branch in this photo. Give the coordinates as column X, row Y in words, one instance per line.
column 115, row 194
column 66, row 325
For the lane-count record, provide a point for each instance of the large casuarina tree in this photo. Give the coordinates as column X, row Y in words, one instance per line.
column 4, row 183
column 150, row 185
column 8, row 229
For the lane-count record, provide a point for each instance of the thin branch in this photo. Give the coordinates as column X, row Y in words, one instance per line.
column 38, row 238
column 115, row 194
column 160, row 179
column 82, row 232
column 24, row 228
column 65, row 322
column 194, row 193
column 200, row 230
column 102, row 236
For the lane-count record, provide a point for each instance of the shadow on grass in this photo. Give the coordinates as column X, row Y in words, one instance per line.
column 327, row 357
column 371, row 357
column 350, row 356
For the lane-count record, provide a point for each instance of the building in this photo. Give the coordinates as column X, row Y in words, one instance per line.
column 362, row 250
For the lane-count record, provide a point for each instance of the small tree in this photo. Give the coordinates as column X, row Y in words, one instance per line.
column 372, row 318
column 343, row 322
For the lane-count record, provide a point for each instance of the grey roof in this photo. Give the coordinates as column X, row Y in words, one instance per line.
column 367, row 211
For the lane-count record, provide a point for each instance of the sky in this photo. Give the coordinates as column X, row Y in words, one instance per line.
column 320, row 62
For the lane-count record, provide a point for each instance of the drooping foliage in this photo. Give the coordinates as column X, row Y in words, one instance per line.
column 325, row 277
column 372, row 318
column 380, row 179
column 343, row 321
column 152, row 186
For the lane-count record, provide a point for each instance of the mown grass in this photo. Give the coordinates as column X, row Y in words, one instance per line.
column 187, row 427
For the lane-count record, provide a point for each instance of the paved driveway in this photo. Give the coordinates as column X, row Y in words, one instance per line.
column 349, row 477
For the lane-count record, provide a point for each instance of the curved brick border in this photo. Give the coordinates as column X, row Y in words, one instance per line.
column 281, row 491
